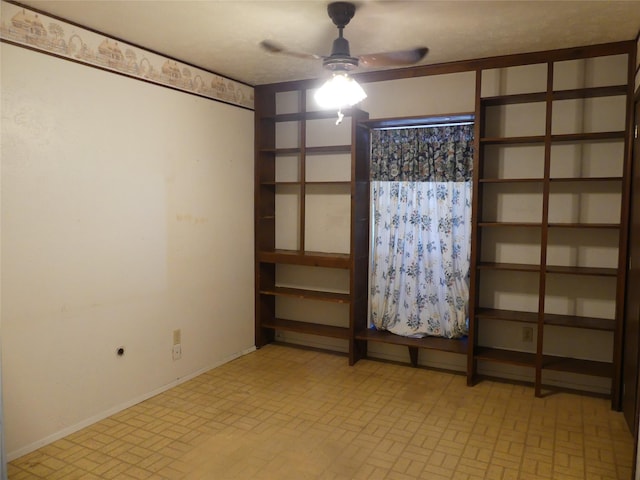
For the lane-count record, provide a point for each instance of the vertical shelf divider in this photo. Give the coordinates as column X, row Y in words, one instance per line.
column 544, row 231
column 476, row 241
column 623, row 246
column 302, row 102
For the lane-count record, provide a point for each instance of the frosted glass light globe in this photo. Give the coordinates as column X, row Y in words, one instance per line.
column 340, row 91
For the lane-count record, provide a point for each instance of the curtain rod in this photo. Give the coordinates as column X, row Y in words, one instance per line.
column 407, row 127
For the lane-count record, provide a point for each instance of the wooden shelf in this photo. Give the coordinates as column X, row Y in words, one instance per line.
column 510, row 357
column 277, row 183
column 310, row 115
column 520, row 267
column 511, row 180
column 613, row 226
column 585, row 179
column 327, row 149
column 343, row 183
column 574, row 365
column 599, row 272
column 510, row 224
column 312, row 259
column 565, row 137
column 573, row 94
column 512, row 140
column 592, row 92
column 582, row 137
column 306, row 327
column 575, row 321
column 308, row 150
column 549, row 362
column 281, row 151
column 308, row 294
column 572, row 321
column 510, row 315
column 431, row 343
column 498, row 100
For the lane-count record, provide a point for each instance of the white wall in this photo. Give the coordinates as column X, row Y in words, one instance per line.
column 431, row 95
column 127, row 212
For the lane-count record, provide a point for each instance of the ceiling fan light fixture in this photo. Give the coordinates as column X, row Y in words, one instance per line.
column 340, row 91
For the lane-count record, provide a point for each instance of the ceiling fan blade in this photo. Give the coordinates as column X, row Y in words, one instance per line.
column 274, row 47
column 393, row 59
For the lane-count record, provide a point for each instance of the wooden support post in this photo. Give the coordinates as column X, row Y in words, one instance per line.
column 413, row 355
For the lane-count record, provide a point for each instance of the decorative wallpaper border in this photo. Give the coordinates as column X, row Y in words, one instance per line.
column 40, row 32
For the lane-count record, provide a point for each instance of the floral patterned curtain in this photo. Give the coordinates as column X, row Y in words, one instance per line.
column 421, row 181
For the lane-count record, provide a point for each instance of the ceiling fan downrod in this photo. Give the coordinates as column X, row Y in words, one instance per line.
column 340, row 59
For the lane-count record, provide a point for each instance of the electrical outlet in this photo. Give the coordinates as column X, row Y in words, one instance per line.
column 177, row 352
column 527, row 334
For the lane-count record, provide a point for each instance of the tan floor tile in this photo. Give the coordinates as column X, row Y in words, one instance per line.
column 285, row 413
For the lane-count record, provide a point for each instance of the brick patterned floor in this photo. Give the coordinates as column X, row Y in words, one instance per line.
column 284, row 413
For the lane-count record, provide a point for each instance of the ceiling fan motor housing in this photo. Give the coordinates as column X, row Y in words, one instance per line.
column 340, row 58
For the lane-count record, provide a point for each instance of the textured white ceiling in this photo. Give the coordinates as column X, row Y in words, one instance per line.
column 224, row 36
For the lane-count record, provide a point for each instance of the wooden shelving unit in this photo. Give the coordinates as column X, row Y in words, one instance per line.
column 305, row 327
column 550, row 194
column 271, row 182
column 549, row 219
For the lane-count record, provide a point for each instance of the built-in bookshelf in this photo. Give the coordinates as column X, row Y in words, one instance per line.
column 551, row 208
column 312, row 212
column 550, row 219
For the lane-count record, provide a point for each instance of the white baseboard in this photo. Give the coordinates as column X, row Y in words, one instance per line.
column 118, row 408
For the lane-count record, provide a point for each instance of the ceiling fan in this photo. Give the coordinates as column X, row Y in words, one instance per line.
column 340, row 59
